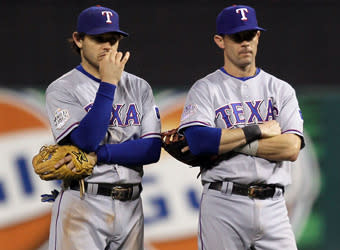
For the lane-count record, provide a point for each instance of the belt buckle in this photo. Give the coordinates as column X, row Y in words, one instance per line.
column 119, row 193
column 252, row 191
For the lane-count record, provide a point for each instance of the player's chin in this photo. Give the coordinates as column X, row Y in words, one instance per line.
column 245, row 62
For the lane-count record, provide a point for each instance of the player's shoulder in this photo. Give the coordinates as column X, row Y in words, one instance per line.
column 65, row 82
column 274, row 79
column 129, row 79
column 209, row 80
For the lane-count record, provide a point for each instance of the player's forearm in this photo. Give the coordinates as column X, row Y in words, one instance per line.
column 92, row 128
column 230, row 139
column 285, row 147
column 130, row 153
column 203, row 140
column 206, row 140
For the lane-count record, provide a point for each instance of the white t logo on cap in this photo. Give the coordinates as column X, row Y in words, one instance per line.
column 108, row 15
column 243, row 13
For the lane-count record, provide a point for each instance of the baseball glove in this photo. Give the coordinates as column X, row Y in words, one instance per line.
column 173, row 143
column 44, row 163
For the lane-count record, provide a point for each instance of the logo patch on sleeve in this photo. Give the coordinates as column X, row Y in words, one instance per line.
column 61, row 116
column 188, row 111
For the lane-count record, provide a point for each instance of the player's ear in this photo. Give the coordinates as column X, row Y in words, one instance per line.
column 219, row 41
column 258, row 34
column 77, row 40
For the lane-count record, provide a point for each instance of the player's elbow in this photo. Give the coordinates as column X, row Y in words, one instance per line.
column 293, row 153
column 293, row 148
column 155, row 157
column 87, row 147
column 154, row 152
column 87, row 144
column 293, row 156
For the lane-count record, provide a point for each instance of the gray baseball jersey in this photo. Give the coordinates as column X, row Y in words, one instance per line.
column 134, row 115
column 223, row 101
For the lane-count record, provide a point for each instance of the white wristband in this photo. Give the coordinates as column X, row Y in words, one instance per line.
column 248, row 149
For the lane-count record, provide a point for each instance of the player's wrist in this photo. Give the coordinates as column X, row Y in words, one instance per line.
column 248, row 149
column 252, row 133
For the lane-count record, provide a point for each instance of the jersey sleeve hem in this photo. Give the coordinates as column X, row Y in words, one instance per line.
column 151, row 135
column 67, row 131
column 297, row 132
column 193, row 123
column 293, row 131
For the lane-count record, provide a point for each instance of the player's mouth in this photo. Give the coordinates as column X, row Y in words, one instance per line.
column 246, row 52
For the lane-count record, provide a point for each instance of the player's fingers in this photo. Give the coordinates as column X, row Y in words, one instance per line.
column 185, row 149
column 118, row 57
column 112, row 55
column 71, row 166
column 125, row 58
column 63, row 161
column 92, row 158
column 59, row 163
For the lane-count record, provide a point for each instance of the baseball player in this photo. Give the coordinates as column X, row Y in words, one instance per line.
column 102, row 109
column 254, row 117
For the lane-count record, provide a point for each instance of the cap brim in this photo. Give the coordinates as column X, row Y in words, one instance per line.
column 102, row 31
column 240, row 29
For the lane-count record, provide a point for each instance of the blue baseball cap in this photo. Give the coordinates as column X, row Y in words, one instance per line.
column 235, row 19
column 99, row 20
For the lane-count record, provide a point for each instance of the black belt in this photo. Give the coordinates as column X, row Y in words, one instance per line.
column 256, row 191
column 122, row 192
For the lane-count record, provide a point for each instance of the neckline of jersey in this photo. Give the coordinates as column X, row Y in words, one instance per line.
column 82, row 70
column 241, row 78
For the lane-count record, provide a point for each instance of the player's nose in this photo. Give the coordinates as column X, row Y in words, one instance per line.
column 106, row 46
column 245, row 44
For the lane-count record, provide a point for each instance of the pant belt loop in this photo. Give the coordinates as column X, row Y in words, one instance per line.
column 224, row 187
column 135, row 192
column 92, row 188
column 230, row 187
column 278, row 193
column 206, row 187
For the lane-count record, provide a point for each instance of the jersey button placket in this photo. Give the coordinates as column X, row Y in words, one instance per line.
column 245, row 91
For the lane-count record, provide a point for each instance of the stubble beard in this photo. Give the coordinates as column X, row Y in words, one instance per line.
column 241, row 63
column 92, row 63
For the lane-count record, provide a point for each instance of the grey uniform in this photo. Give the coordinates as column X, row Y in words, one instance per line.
column 220, row 100
column 134, row 115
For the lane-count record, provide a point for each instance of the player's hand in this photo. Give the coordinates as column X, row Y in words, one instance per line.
column 66, row 160
column 270, row 129
column 69, row 163
column 112, row 65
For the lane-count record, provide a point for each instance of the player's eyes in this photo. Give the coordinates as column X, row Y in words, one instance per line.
column 104, row 39
column 247, row 35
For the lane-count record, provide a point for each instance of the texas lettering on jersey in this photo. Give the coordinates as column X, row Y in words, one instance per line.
column 234, row 113
column 122, row 115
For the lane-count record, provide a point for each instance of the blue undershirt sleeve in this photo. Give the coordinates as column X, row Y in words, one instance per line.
column 203, row 140
column 130, row 153
column 93, row 127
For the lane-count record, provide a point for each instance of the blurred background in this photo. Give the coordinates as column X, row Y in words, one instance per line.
column 171, row 47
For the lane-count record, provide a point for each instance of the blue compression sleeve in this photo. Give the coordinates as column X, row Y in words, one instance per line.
column 93, row 126
column 203, row 140
column 135, row 152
